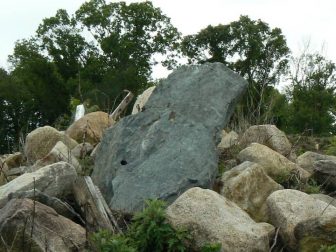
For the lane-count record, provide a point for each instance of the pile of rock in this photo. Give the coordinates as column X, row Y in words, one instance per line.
column 169, row 149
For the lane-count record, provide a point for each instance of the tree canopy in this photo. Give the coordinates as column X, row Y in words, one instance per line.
column 249, row 47
column 312, row 95
column 91, row 56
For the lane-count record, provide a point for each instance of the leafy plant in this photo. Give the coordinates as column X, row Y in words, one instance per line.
column 151, row 232
column 87, row 165
column 283, row 178
column 325, row 248
column 311, row 187
column 105, row 241
column 331, row 149
column 211, row 247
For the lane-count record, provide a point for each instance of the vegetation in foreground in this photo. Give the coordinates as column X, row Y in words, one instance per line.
column 148, row 231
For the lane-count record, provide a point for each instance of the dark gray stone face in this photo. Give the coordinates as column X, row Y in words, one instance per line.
column 171, row 145
column 325, row 173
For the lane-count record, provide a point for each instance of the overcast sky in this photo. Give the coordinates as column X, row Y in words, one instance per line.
column 300, row 20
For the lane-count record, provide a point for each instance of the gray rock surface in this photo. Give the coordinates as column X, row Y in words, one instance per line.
column 171, row 145
column 307, row 159
column 325, row 173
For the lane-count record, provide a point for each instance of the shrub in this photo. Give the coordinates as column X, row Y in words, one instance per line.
column 331, row 148
column 105, row 241
column 149, row 231
column 311, row 187
column 328, row 248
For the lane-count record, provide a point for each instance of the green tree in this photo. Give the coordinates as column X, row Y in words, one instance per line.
column 129, row 37
column 312, row 95
column 15, row 113
column 39, row 76
column 249, row 47
column 77, row 61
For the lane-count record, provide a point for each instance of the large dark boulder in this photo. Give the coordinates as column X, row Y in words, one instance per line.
column 171, row 145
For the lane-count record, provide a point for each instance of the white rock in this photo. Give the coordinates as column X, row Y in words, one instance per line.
column 228, row 140
column 40, row 142
column 325, row 198
column 288, row 208
column 268, row 135
column 249, row 186
column 274, row 164
column 212, row 218
column 55, row 180
column 59, row 153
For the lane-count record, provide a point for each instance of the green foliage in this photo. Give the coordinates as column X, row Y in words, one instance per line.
column 291, row 180
column 87, row 164
column 16, row 113
column 221, row 168
column 211, row 247
column 312, row 95
column 249, row 47
column 283, row 178
column 149, row 231
column 43, row 84
column 311, row 187
column 59, row 62
column 331, row 148
column 331, row 248
column 105, row 241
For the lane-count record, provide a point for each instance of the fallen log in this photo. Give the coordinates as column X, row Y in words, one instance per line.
column 97, row 215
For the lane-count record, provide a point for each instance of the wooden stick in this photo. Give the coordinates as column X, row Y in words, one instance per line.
column 122, row 106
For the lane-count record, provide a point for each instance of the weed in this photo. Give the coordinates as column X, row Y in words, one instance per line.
column 331, row 248
column 311, row 187
column 149, row 231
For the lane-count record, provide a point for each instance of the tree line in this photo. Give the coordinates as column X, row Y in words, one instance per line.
column 104, row 48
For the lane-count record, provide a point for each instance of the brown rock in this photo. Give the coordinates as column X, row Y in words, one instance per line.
column 50, row 231
column 274, row 164
column 90, row 128
column 41, row 141
column 268, row 135
column 14, row 160
column 297, row 214
column 248, row 186
column 211, row 218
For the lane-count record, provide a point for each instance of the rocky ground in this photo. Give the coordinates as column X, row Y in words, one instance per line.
column 249, row 191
